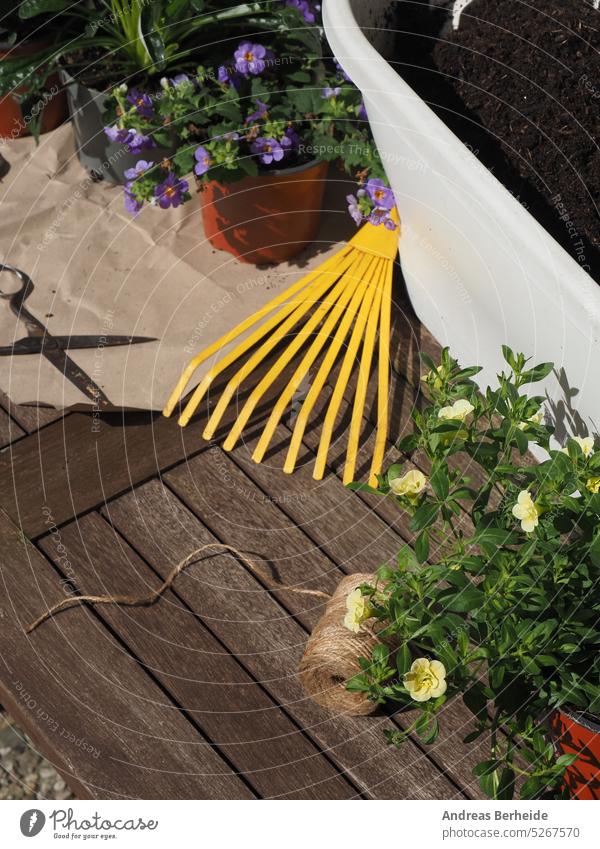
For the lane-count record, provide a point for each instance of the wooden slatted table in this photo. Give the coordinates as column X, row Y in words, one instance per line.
column 196, row 696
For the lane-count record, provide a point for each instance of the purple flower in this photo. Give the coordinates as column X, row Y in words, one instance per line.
column 260, row 112
column 362, row 112
column 293, row 136
column 134, row 142
column 137, row 142
column 354, row 210
column 250, row 58
column 341, row 71
column 270, row 150
column 138, row 170
column 118, row 135
column 180, row 79
column 227, row 76
column 381, row 195
column 132, row 204
column 171, row 191
column 203, row 161
column 382, row 216
column 330, row 92
column 142, row 103
column 305, row 9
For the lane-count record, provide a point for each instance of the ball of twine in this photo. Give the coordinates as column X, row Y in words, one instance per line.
column 332, row 652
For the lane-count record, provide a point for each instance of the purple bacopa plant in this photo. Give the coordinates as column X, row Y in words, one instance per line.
column 203, row 161
column 261, row 112
column 381, row 195
column 142, row 103
column 331, row 92
column 250, row 59
column 133, row 141
column 171, row 192
column 138, row 170
column 270, row 150
column 306, row 9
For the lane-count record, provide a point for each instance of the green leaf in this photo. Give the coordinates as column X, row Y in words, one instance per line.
column 439, row 482
column 538, row 372
column 494, row 536
column 403, row 659
column 31, row 8
column 422, row 547
column 424, row 517
column 475, row 700
column 465, row 600
column 506, row 786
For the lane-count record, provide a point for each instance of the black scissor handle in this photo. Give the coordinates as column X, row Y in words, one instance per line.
column 17, row 299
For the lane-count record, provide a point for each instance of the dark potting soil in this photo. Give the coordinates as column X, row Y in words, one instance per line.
column 519, row 83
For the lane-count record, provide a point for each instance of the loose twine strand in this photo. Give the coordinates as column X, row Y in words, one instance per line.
column 152, row 597
column 332, row 652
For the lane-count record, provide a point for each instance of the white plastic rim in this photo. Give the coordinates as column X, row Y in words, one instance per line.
column 480, row 270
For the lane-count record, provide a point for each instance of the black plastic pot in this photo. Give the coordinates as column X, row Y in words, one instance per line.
column 105, row 160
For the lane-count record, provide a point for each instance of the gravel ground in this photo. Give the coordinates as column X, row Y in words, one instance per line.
column 24, row 774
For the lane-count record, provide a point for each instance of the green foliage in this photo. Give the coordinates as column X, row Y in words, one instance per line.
column 511, row 611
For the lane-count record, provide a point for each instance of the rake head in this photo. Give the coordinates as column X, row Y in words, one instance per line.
column 344, row 302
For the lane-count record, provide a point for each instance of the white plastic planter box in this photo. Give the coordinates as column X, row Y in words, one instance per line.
column 480, row 270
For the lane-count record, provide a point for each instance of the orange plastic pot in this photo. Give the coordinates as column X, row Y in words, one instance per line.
column 54, row 106
column 576, row 734
column 265, row 219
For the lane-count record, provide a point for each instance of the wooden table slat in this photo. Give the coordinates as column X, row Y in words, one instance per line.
column 55, row 681
column 214, row 690
column 258, row 631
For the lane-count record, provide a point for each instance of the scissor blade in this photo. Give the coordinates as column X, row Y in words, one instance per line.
column 99, row 341
column 39, row 344
column 76, row 376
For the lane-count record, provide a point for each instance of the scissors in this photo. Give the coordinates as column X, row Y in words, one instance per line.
column 40, row 341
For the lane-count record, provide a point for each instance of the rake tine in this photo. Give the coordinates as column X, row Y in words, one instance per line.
column 384, row 378
column 245, row 325
column 327, row 365
column 317, row 285
column 342, row 381
column 307, row 361
column 334, row 302
column 363, row 379
column 302, row 305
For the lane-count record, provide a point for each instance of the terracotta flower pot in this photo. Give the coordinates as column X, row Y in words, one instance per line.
column 54, row 106
column 265, row 219
column 574, row 733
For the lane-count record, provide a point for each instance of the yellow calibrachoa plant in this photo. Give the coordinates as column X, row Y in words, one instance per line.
column 411, row 484
column 433, row 377
column 593, row 484
column 586, row 443
column 457, row 412
column 426, row 679
column 536, row 418
column 527, row 511
column 358, row 610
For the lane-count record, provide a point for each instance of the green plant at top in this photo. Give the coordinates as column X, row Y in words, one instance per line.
column 106, row 41
column 264, row 103
column 497, row 604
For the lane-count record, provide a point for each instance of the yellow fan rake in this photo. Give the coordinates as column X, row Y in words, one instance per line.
column 344, row 302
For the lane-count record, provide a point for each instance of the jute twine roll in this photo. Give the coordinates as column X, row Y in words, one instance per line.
column 332, row 652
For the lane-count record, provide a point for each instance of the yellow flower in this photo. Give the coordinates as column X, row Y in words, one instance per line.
column 426, row 679
column 593, row 484
column 536, row 418
column 358, row 610
column 457, row 412
column 433, row 377
column 527, row 511
column 411, row 484
column 586, row 443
